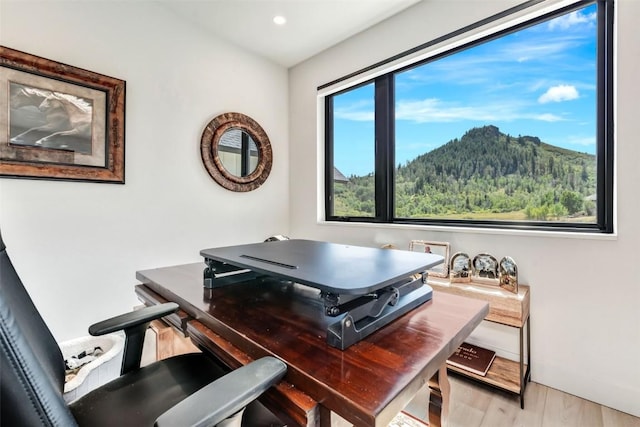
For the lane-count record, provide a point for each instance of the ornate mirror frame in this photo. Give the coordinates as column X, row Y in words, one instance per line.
column 209, row 145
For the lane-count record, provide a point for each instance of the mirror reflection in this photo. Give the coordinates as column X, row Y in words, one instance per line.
column 238, row 152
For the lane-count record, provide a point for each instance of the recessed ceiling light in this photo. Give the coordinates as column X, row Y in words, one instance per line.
column 279, row 20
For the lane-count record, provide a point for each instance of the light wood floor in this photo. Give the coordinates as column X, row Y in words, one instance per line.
column 474, row 405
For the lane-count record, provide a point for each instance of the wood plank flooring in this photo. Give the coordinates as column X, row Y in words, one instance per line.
column 475, row 405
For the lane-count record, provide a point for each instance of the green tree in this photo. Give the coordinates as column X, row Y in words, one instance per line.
column 572, row 201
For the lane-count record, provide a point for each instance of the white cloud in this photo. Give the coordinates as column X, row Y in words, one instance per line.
column 356, row 116
column 360, row 111
column 572, row 19
column 433, row 110
column 547, row 117
column 525, row 50
column 559, row 93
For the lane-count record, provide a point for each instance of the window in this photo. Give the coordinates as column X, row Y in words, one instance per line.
column 513, row 130
column 354, row 151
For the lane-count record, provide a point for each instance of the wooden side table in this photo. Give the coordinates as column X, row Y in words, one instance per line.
column 508, row 309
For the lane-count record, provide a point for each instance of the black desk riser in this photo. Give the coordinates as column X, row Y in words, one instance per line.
column 363, row 288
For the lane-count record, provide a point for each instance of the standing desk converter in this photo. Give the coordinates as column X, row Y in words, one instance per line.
column 370, row 380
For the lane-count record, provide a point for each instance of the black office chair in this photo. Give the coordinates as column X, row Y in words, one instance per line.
column 191, row 389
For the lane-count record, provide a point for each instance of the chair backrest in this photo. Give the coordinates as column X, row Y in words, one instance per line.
column 31, row 364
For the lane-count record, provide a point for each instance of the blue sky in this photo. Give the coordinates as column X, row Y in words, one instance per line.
column 539, row 81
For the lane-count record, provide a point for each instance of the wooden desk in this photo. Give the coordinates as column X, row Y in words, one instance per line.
column 367, row 384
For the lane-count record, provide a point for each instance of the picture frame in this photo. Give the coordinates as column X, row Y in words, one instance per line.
column 485, row 269
column 508, row 274
column 438, row 248
column 460, row 268
column 58, row 121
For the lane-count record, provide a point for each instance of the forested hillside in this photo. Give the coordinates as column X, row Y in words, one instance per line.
column 484, row 175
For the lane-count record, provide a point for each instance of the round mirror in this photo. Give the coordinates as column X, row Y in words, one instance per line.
column 236, row 152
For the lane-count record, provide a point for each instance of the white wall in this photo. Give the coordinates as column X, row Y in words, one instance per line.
column 585, row 293
column 77, row 245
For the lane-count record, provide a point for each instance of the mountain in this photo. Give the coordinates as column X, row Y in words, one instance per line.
column 486, row 152
column 489, row 174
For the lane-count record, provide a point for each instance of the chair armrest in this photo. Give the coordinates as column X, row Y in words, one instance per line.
column 135, row 326
column 225, row 396
column 132, row 319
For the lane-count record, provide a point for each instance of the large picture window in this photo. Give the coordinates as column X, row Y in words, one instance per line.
column 513, row 130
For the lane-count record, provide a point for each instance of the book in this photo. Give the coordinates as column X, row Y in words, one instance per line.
column 472, row 358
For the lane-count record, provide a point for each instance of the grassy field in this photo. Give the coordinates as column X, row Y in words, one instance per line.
column 503, row 216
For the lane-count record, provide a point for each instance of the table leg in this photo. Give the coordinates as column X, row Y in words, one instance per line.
column 325, row 417
column 439, row 398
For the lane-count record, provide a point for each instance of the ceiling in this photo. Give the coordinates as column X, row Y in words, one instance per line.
column 312, row 25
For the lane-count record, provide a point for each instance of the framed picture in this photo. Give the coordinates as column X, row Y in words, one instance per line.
column 485, row 269
column 460, row 268
column 59, row 121
column 438, row 248
column 509, row 274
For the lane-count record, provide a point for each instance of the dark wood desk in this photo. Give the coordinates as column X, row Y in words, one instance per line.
column 367, row 384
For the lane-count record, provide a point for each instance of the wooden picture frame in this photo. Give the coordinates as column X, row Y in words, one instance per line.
column 255, row 168
column 58, row 121
column 438, row 248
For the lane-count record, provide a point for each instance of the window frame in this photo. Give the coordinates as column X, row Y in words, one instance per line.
column 385, row 132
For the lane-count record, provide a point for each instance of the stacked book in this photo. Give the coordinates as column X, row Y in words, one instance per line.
column 472, row 358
